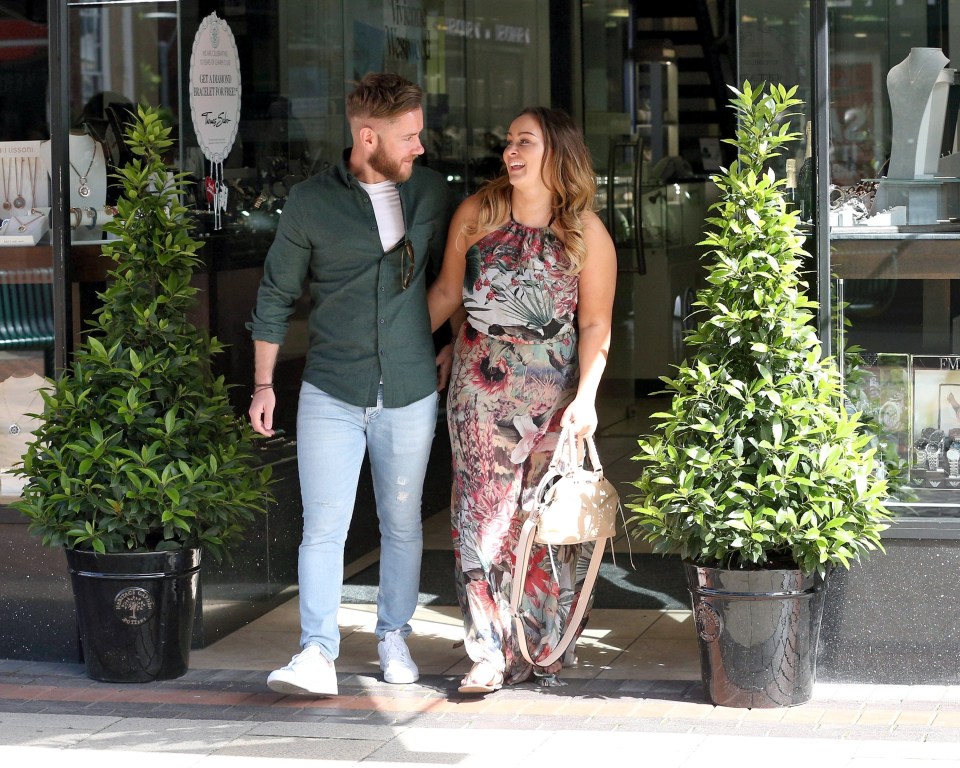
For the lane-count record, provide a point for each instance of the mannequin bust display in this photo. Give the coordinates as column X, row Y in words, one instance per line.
column 19, row 395
column 918, row 88
column 88, row 186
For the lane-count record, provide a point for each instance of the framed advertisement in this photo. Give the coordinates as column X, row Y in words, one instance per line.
column 935, row 462
column 949, row 402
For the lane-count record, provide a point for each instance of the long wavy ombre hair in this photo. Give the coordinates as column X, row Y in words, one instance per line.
column 570, row 179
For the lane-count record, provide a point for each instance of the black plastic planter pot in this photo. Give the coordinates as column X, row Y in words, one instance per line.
column 135, row 612
column 758, row 632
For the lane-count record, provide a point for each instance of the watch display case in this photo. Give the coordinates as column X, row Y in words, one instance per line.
column 935, row 449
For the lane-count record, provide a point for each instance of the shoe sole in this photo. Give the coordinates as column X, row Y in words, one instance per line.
column 475, row 688
column 394, row 680
column 282, row 686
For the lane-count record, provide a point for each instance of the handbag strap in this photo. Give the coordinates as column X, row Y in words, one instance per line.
column 566, row 458
column 522, row 565
column 567, row 452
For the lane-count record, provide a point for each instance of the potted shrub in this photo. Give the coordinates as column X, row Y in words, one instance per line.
column 139, row 462
column 758, row 474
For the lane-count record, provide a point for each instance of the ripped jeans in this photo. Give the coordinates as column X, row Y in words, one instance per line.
column 332, row 437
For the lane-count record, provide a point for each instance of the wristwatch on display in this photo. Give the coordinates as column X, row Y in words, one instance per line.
column 920, row 447
column 953, row 459
column 933, row 456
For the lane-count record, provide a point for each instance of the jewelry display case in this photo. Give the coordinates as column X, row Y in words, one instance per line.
column 24, row 194
column 914, row 401
column 26, row 299
column 893, row 229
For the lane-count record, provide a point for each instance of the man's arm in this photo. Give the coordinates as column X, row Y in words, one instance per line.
column 264, row 399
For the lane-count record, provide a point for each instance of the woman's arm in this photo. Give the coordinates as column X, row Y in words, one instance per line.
column 445, row 295
column 598, row 282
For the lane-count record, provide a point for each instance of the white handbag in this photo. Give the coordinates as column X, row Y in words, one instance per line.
column 573, row 505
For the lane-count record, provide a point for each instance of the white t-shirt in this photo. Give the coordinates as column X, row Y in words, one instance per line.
column 385, row 198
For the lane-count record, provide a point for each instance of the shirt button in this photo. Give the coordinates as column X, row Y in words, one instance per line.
column 381, row 321
column 373, row 228
column 382, row 288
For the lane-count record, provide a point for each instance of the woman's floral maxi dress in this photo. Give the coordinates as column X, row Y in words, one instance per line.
column 515, row 370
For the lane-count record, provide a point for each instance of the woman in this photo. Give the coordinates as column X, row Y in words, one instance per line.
column 535, row 270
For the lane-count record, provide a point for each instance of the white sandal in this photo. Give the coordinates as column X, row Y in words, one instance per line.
column 482, row 678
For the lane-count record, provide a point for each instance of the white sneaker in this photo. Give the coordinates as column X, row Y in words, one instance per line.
column 308, row 673
column 395, row 659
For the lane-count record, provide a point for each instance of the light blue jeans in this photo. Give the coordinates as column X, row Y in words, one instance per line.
column 332, row 437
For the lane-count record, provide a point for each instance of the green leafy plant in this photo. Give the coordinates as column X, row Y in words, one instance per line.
column 138, row 448
column 758, row 463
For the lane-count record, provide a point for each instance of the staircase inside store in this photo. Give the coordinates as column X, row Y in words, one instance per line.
column 700, row 33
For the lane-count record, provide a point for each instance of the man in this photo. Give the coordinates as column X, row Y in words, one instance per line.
column 362, row 234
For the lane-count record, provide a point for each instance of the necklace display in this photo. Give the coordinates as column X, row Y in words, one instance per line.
column 22, row 225
column 19, row 201
column 7, row 166
column 83, row 189
column 13, row 428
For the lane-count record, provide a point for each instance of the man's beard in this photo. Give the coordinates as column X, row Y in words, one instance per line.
column 390, row 169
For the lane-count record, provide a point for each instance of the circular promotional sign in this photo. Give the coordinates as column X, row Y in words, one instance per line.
column 215, row 88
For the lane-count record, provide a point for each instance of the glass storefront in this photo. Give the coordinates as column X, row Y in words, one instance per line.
column 893, row 218
column 27, row 332
column 888, row 132
column 478, row 62
column 891, row 231
column 648, row 84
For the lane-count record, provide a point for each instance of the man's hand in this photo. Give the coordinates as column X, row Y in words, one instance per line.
column 444, row 366
column 261, row 411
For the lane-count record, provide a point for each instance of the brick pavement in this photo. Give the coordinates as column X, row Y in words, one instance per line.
column 903, row 713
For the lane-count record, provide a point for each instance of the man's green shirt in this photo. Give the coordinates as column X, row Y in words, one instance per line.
column 364, row 326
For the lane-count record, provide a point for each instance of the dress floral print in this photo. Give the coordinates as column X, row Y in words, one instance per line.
column 514, row 372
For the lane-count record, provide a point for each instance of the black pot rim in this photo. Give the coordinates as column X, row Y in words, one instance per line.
column 86, row 562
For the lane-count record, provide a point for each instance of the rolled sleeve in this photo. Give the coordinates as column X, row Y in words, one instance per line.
column 284, row 271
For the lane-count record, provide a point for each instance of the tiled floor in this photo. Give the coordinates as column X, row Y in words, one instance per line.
column 619, row 644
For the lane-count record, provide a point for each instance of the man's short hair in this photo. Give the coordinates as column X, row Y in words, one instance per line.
column 384, row 96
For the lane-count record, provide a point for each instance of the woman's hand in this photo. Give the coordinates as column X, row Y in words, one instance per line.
column 444, row 362
column 581, row 417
